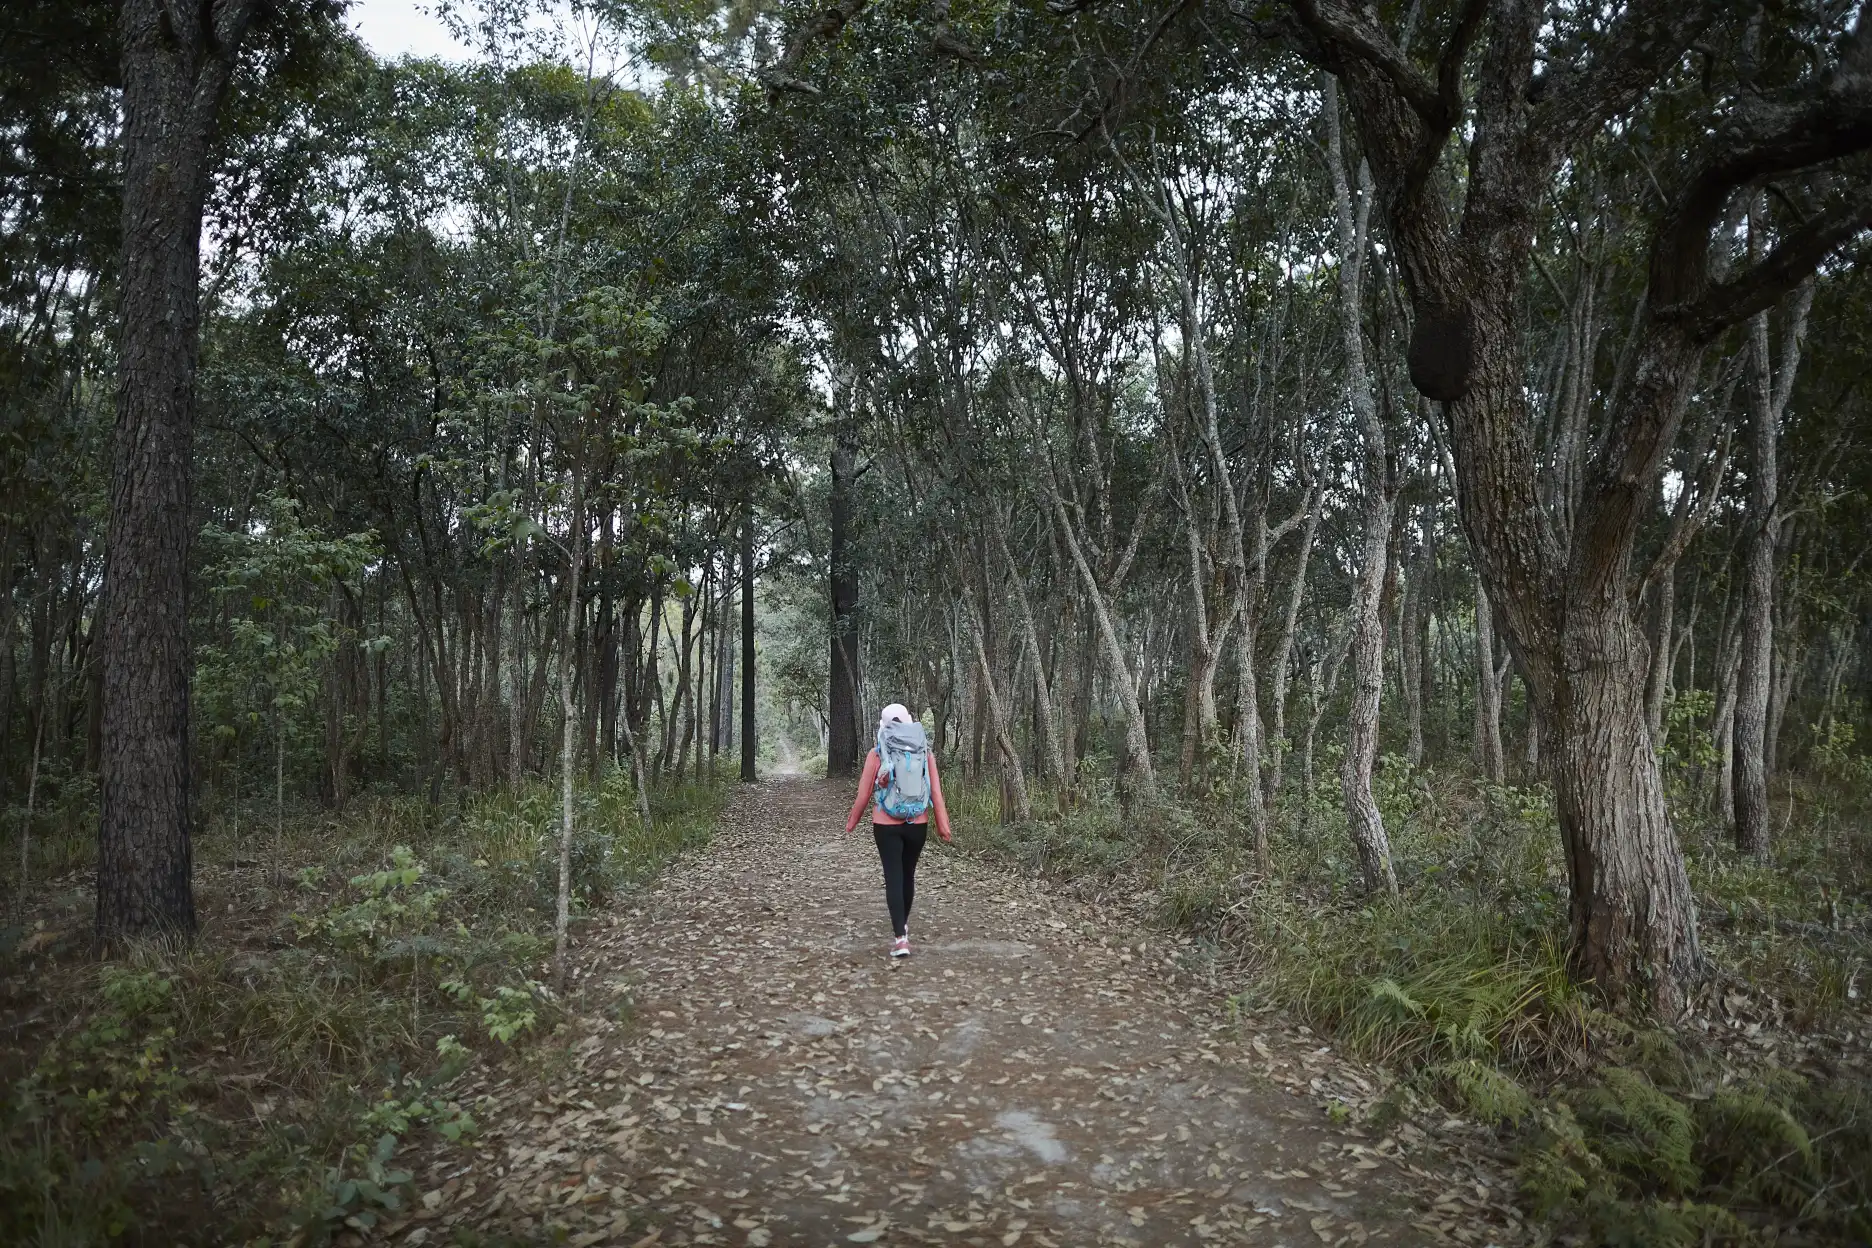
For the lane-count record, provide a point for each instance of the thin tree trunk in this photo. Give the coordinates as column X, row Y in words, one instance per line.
column 1362, row 816
column 747, row 647
column 1047, row 716
column 1488, row 690
column 1657, row 677
column 1012, row 773
column 26, row 819
column 844, row 749
column 1411, row 658
column 1283, row 650
column 1768, row 390
column 1137, row 741
column 568, row 734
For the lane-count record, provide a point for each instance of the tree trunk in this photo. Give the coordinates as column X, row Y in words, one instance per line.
column 844, row 749
column 1582, row 653
column 1363, row 819
column 727, row 665
column 1488, row 691
column 1768, row 390
column 1658, row 677
column 747, row 647
column 1013, row 775
column 686, row 687
column 1143, row 775
column 1046, row 713
column 568, row 732
column 174, row 74
column 1283, row 650
column 1411, row 658
column 1631, row 904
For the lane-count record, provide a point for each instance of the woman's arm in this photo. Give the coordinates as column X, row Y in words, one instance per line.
column 942, row 811
column 867, row 784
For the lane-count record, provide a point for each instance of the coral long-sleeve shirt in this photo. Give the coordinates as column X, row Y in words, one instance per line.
column 867, row 793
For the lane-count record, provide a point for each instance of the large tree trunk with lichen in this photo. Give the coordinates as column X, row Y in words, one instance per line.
column 1631, row 906
column 1570, row 618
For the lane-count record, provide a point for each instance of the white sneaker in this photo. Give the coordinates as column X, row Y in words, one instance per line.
column 900, row 948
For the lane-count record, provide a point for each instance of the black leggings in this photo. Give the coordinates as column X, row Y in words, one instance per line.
column 899, row 847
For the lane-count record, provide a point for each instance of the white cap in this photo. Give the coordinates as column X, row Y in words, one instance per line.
column 895, row 713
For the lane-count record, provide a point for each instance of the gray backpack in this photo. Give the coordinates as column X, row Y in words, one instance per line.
column 903, row 784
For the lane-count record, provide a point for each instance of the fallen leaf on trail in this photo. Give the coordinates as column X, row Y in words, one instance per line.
column 929, row 1090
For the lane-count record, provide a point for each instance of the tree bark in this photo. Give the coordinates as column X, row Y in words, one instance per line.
column 1012, row 773
column 568, row 730
column 1488, row 691
column 1137, row 741
column 844, row 749
column 748, row 742
column 1363, row 819
column 1768, row 390
column 1631, row 904
column 174, row 75
column 1047, row 714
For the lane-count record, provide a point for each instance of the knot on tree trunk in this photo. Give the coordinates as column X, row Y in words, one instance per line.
column 1442, row 353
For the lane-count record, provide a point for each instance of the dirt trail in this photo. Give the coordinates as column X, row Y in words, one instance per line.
column 1035, row 1074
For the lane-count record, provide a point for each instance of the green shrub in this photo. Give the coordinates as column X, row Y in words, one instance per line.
column 1485, row 1092
column 1637, row 1131
column 1753, row 1147
column 355, row 1010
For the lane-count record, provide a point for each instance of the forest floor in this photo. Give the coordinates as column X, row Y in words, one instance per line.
column 744, row 1065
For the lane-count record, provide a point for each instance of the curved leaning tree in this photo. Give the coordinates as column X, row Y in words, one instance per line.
column 1751, row 129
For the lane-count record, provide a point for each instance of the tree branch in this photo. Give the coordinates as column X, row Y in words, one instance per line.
column 1572, row 103
column 1449, row 97
column 1760, row 142
column 1792, row 262
column 1343, row 30
column 780, row 76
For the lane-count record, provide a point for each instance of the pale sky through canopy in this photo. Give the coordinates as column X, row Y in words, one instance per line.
column 394, row 28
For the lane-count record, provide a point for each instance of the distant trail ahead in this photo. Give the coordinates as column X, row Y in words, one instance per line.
column 1021, row 1080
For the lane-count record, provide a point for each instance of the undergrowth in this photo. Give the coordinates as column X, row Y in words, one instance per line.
column 265, row 1080
column 1738, row 1125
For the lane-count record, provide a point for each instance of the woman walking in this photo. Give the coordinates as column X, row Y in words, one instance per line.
column 901, row 785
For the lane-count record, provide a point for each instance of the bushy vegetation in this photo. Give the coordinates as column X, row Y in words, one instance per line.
column 1738, row 1124
column 267, row 1080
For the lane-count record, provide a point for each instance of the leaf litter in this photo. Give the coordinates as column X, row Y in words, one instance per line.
column 746, row 1067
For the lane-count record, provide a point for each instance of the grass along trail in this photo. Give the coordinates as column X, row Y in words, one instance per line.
column 1035, row 1074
